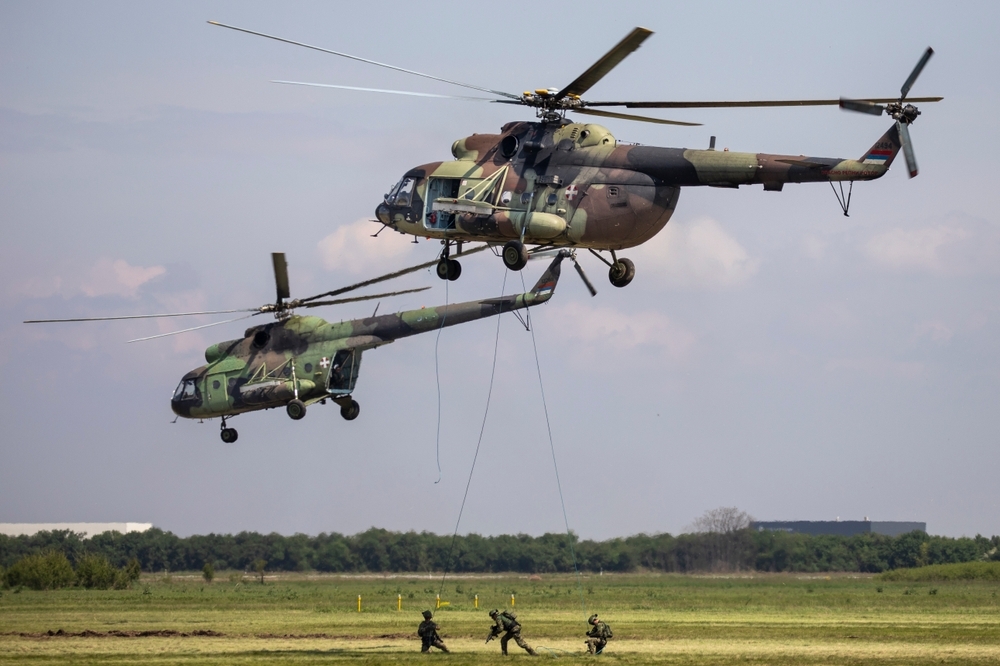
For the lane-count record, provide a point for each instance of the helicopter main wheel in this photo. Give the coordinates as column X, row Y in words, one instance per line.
column 296, row 409
column 622, row 272
column 350, row 411
column 449, row 269
column 515, row 255
column 229, row 435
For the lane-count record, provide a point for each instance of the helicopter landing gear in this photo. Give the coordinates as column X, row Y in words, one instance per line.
column 227, row 434
column 350, row 410
column 622, row 272
column 296, row 409
column 515, row 255
column 448, row 269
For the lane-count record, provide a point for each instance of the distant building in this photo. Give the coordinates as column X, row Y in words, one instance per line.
column 87, row 529
column 839, row 527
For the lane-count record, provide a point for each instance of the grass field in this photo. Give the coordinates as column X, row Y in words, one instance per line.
column 662, row 619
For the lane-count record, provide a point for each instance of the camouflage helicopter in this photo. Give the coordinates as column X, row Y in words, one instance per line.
column 296, row 361
column 556, row 183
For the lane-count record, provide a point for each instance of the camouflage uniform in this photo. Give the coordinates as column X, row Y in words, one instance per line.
column 507, row 624
column 599, row 634
column 428, row 632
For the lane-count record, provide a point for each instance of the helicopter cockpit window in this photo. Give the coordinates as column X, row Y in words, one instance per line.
column 401, row 193
column 186, row 390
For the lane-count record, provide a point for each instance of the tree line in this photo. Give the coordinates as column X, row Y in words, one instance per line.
column 379, row 550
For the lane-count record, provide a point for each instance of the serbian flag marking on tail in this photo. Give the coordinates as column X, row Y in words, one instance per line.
column 877, row 156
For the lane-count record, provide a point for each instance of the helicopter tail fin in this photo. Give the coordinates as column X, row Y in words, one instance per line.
column 884, row 151
column 546, row 285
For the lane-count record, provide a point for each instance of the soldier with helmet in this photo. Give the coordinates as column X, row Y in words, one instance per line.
column 428, row 632
column 505, row 622
column 598, row 635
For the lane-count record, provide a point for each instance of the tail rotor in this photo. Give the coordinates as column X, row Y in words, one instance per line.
column 903, row 114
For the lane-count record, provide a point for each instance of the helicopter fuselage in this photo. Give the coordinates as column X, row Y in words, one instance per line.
column 310, row 359
column 573, row 184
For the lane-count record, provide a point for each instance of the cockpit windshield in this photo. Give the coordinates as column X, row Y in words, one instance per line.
column 186, row 390
column 401, row 193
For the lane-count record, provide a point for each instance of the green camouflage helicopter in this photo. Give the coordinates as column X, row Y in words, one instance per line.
column 556, row 183
column 296, row 361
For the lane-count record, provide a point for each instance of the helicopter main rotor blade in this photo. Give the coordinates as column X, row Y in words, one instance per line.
column 380, row 90
column 904, row 138
column 365, row 60
column 752, row 103
column 193, row 328
column 915, row 73
column 388, row 276
column 608, row 61
column 338, row 301
column 861, row 106
column 629, row 116
column 143, row 316
column 280, row 275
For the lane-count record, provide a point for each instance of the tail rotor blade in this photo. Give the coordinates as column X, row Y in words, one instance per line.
column 280, row 275
column 915, row 73
column 904, row 138
column 583, row 276
column 861, row 106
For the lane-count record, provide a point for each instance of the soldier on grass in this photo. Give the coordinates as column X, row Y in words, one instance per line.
column 428, row 632
column 506, row 623
column 598, row 635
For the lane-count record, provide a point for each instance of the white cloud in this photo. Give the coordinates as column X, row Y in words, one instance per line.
column 105, row 277
column 597, row 330
column 352, row 248
column 117, row 277
column 935, row 331
column 957, row 246
column 919, row 249
column 697, row 254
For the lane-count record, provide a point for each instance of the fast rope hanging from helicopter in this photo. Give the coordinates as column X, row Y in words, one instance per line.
column 548, row 427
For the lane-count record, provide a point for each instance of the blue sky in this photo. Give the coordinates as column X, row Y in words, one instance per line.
column 771, row 354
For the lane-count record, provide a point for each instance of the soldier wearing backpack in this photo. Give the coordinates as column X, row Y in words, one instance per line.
column 506, row 623
column 599, row 635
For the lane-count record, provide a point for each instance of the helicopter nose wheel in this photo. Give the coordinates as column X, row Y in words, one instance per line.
column 350, row 410
column 449, row 269
column 296, row 409
column 622, row 272
column 515, row 255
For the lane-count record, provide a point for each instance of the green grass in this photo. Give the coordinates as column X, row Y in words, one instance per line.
column 672, row 619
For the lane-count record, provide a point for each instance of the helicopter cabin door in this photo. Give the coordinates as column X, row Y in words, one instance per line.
column 343, row 372
column 436, row 189
column 217, row 396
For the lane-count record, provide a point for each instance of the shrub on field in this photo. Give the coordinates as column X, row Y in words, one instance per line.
column 989, row 571
column 208, row 572
column 43, row 571
column 95, row 572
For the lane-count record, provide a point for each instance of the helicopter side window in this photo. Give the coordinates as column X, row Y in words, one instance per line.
column 186, row 390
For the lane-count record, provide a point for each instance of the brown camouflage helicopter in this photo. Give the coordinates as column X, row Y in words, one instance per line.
column 297, row 361
column 556, row 183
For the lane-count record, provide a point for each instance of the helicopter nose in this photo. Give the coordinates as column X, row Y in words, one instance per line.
column 382, row 213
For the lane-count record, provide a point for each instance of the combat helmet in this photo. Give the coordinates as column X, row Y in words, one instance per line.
column 428, row 615
column 494, row 612
column 592, row 619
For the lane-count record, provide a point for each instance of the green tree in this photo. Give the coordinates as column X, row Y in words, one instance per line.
column 95, row 572
column 208, row 572
column 259, row 566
